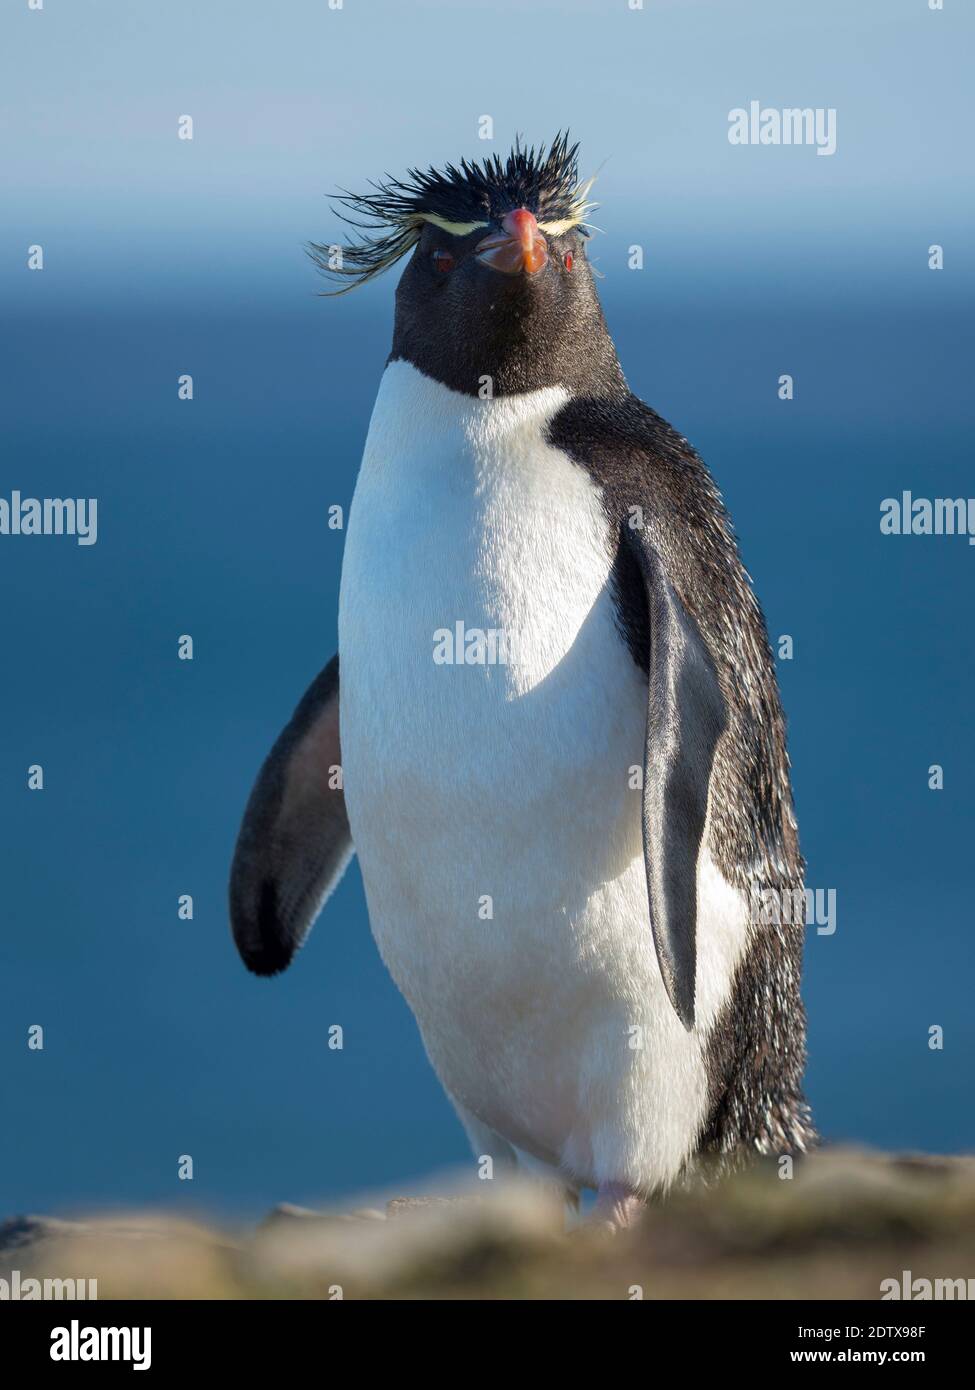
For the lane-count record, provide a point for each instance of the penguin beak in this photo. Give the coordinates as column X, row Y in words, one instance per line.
column 519, row 246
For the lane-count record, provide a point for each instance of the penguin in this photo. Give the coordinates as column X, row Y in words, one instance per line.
column 552, row 731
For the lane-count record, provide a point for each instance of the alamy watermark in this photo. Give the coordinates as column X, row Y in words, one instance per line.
column 77, row 1343
column 923, row 1290
column 787, row 125
column 50, row 516
column 777, row 907
column 908, row 515
column 461, row 645
column 17, row 1289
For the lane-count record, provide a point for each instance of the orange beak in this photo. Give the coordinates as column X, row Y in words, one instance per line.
column 519, row 246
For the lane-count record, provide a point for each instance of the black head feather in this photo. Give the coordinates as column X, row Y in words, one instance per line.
column 475, row 194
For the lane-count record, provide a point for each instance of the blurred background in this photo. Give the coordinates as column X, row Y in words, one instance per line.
column 165, row 257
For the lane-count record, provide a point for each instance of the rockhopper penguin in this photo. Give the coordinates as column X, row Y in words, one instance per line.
column 563, row 753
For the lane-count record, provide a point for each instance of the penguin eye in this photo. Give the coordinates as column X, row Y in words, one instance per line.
column 567, row 260
column 443, row 262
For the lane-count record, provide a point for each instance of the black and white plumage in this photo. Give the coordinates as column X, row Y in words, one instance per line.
column 616, row 787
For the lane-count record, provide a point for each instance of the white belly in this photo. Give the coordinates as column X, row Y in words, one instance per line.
column 493, row 806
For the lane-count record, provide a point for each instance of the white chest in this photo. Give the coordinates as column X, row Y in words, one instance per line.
column 492, row 719
column 478, row 642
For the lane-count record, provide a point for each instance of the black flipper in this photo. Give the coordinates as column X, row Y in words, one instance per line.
column 294, row 842
column 686, row 715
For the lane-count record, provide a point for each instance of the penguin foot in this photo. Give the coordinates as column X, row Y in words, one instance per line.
column 617, row 1206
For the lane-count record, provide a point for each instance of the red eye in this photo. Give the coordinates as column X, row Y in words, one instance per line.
column 443, row 262
column 567, row 260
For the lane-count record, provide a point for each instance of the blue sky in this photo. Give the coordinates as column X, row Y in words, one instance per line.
column 292, row 100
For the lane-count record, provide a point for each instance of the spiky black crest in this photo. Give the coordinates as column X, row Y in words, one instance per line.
column 458, row 200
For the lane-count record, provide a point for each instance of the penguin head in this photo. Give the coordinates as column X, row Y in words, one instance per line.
column 497, row 296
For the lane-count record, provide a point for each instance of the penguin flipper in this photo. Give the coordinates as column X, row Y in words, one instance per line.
column 686, row 715
column 294, row 841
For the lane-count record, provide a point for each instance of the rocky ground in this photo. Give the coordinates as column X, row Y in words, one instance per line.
column 847, row 1220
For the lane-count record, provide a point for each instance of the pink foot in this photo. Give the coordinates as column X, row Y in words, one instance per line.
column 617, row 1206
